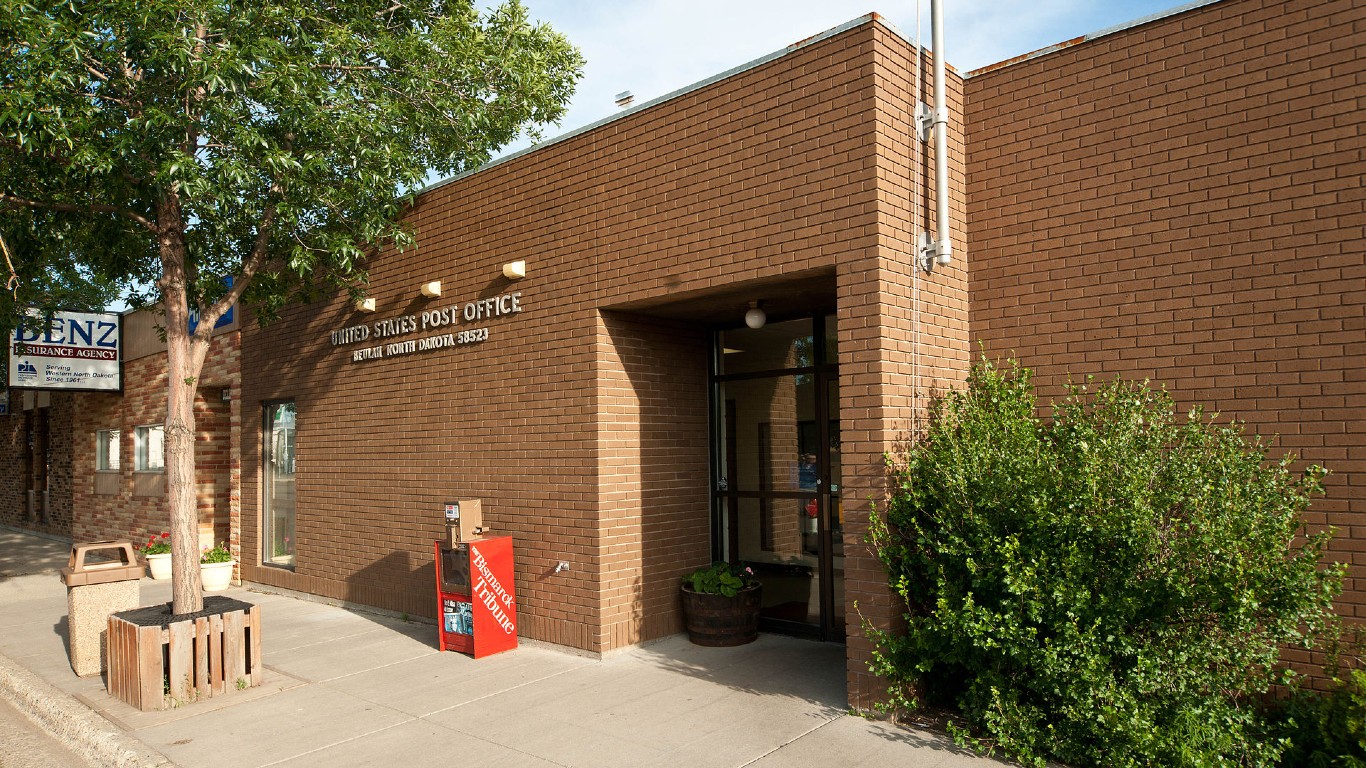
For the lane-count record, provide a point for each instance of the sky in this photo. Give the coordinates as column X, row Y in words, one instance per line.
column 654, row 47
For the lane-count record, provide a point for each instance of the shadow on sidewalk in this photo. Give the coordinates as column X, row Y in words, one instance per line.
column 25, row 552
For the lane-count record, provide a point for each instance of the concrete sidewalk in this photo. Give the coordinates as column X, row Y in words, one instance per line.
column 24, row 553
column 345, row 688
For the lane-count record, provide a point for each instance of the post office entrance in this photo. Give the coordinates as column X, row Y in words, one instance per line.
column 776, row 473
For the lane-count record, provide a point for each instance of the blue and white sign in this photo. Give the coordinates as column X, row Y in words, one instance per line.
column 4, row 403
column 75, row 350
column 223, row 321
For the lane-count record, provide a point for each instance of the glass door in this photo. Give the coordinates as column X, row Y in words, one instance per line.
column 776, row 491
column 277, row 536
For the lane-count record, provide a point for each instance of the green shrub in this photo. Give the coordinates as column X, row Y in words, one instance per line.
column 1327, row 729
column 1109, row 586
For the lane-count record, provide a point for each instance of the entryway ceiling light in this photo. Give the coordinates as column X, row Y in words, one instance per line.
column 755, row 316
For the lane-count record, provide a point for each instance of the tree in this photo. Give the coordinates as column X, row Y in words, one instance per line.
column 180, row 142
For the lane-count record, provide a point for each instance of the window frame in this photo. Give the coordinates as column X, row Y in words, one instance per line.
column 142, row 453
column 107, row 460
column 271, row 507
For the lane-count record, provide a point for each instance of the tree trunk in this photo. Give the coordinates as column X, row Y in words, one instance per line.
column 183, row 376
column 184, row 359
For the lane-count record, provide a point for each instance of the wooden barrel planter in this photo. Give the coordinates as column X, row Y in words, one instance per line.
column 719, row 621
column 158, row 661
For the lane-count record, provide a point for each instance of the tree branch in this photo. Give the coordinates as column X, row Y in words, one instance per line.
column 98, row 74
column 17, row 147
column 348, row 68
column 19, row 202
column 257, row 257
column 192, row 127
column 12, row 284
column 64, row 160
column 129, row 71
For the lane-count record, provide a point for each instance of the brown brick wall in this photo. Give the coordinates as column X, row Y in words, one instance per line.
column 1124, row 206
column 61, row 465
column 653, row 447
column 1182, row 202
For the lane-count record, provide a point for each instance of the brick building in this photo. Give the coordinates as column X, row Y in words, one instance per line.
column 90, row 464
column 1179, row 199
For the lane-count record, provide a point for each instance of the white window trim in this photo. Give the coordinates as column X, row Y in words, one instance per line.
column 108, row 454
column 139, row 433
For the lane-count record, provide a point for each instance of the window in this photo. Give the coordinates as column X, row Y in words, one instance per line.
column 279, row 431
column 149, row 442
column 107, row 450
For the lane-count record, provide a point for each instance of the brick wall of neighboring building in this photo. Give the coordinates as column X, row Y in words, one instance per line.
column 123, row 506
column 1182, row 202
column 38, row 454
column 12, row 481
column 134, row 505
column 58, row 515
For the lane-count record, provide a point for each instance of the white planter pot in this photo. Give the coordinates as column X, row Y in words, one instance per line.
column 216, row 576
column 159, row 566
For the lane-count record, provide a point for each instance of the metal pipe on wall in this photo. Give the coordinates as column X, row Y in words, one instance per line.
column 943, row 249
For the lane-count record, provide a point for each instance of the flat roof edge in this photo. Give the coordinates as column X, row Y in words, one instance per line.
column 1087, row 38
column 700, row 84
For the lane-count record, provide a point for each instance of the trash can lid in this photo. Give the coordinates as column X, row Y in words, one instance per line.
column 78, row 572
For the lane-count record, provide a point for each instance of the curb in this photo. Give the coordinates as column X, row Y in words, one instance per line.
column 72, row 723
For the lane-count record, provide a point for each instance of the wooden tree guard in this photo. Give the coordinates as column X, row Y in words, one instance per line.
column 159, row 667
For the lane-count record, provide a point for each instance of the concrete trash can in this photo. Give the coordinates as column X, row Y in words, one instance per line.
column 93, row 591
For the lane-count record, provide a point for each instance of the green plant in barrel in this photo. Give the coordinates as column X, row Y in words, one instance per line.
column 720, row 578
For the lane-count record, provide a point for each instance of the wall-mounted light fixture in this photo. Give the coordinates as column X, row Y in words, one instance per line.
column 365, row 305
column 514, row 270
column 431, row 290
column 755, row 317
column 225, row 395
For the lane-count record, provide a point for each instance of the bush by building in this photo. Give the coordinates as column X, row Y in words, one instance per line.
column 1107, row 586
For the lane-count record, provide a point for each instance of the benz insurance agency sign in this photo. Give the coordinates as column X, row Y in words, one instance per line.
column 77, row 350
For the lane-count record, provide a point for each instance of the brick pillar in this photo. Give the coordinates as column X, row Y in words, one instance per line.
column 903, row 337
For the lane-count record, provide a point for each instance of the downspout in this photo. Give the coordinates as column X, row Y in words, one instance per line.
column 938, row 251
column 943, row 250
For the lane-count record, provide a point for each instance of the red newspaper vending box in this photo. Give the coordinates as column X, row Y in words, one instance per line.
column 476, row 605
